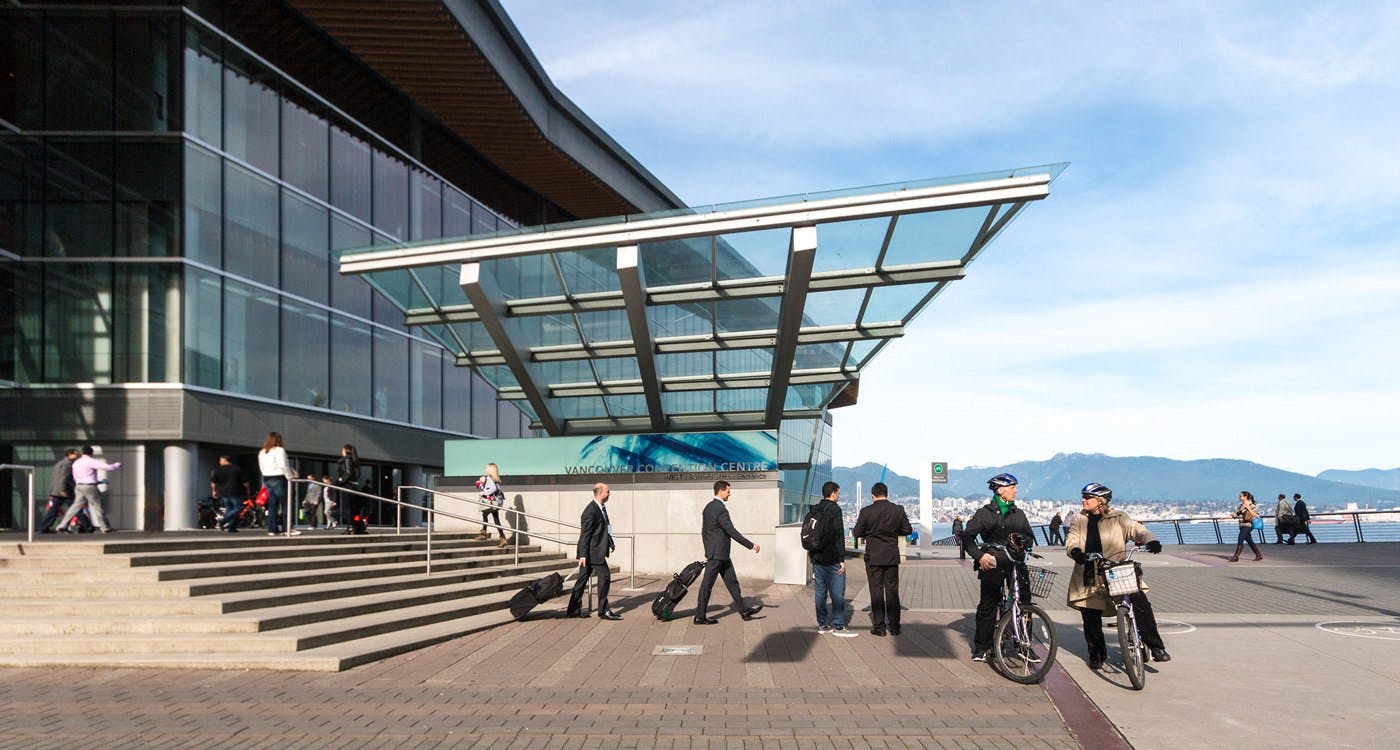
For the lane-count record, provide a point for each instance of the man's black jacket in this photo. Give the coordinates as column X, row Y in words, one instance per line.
column 833, row 549
column 882, row 524
column 988, row 523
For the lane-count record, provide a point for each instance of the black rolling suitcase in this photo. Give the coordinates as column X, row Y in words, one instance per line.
column 536, row 593
column 664, row 605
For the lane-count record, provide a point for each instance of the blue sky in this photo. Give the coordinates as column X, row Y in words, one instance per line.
column 1217, row 274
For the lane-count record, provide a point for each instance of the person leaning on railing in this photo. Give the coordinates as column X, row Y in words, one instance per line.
column 1107, row 531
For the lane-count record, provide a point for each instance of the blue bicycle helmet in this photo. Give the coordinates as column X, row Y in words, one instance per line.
column 1094, row 489
column 1001, row 480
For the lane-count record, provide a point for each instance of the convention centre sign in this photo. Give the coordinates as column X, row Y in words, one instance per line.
column 672, row 455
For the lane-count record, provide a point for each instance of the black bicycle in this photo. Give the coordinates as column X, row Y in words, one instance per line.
column 1121, row 579
column 1024, row 643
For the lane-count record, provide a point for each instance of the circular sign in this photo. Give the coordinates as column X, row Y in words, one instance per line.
column 1174, row 627
column 1383, row 631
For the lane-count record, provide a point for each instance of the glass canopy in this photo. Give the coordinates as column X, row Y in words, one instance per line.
column 728, row 316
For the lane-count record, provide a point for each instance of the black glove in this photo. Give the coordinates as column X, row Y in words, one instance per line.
column 1154, row 546
column 1077, row 555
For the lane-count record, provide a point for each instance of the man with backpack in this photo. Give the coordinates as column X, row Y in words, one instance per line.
column 824, row 537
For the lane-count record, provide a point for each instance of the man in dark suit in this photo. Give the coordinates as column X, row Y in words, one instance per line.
column 716, row 530
column 1301, row 518
column 595, row 543
column 882, row 524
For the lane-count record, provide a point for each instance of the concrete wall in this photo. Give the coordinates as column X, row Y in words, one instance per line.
column 665, row 517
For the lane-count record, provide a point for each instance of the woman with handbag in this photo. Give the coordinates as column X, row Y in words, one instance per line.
column 1249, row 519
column 488, row 486
column 272, row 462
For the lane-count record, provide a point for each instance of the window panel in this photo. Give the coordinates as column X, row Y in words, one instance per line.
column 425, row 379
column 78, row 73
column 483, row 408
column 78, row 323
column 251, row 113
column 937, row 235
column 426, row 208
column 350, row 374
column 349, row 293
column 305, row 242
column 148, row 53
column 203, row 209
column 753, row 254
column 390, row 195
column 147, row 192
column 305, row 363
column 456, row 213
column 251, row 348
column 848, row 245
column 390, row 375
column 203, row 86
column 350, row 174
column 250, row 225
column 456, row 397
column 78, row 219
column 203, row 327
column 677, row 261
column 146, row 320
column 23, row 102
column 305, row 148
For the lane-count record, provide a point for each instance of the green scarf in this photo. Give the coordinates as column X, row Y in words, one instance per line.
column 1004, row 506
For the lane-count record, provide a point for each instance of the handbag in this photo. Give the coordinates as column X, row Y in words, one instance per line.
column 1257, row 524
column 261, row 499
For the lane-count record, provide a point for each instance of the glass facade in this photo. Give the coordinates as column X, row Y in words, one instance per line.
column 171, row 205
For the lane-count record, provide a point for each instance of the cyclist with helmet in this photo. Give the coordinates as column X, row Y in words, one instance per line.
column 1107, row 531
column 996, row 522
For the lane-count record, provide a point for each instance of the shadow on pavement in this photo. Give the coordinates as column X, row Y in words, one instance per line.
column 921, row 640
column 784, row 647
column 1331, row 597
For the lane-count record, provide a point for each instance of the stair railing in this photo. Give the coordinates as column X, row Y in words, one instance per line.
column 30, row 503
column 518, row 514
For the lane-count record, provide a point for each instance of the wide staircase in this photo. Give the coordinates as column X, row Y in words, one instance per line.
column 222, row 601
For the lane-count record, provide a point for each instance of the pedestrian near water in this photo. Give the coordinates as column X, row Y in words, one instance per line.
column 85, row 492
column 226, row 483
column 829, row 563
column 1055, row 524
column 957, row 537
column 882, row 524
column 716, row 531
column 1245, row 514
column 276, row 476
column 1301, row 517
column 1283, row 519
column 1107, row 531
column 595, row 543
column 60, row 491
column 995, row 522
column 492, row 496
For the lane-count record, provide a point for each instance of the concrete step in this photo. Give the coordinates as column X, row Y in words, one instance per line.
column 291, row 549
column 244, row 600
column 53, row 624
column 115, row 607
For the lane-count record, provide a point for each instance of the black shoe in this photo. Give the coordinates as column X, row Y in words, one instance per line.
column 609, row 615
column 1096, row 662
column 894, row 630
column 1160, row 654
column 705, row 621
column 878, row 631
column 751, row 612
column 979, row 655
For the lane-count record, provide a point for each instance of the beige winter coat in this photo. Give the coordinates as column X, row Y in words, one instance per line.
column 1115, row 530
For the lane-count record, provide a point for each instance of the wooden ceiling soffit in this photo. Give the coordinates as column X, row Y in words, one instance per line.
column 419, row 48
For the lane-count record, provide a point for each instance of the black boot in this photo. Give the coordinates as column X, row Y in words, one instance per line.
column 1236, row 556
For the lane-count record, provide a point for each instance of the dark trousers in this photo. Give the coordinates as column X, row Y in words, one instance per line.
column 1246, row 537
column 1146, row 623
column 604, row 575
column 884, row 595
column 1301, row 528
column 1287, row 526
column 718, row 569
column 51, row 512
column 232, row 507
column 494, row 515
column 1055, row 536
column 962, row 552
column 993, row 587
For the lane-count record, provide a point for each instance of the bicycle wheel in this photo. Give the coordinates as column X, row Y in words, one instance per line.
column 1025, row 654
column 1133, row 662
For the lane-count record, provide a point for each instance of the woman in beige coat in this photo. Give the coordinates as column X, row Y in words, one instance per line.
column 1099, row 528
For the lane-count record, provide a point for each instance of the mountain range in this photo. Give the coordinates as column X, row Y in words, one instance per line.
column 1147, row 479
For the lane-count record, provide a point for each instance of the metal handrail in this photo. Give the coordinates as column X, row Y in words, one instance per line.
column 632, row 548
column 29, row 506
column 1215, row 520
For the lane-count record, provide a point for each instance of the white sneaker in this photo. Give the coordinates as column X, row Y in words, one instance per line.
column 823, row 629
column 842, row 632
column 293, row 532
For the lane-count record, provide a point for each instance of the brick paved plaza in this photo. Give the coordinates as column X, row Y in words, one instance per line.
column 774, row 682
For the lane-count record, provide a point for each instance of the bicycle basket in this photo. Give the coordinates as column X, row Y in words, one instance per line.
column 1122, row 579
column 1041, row 580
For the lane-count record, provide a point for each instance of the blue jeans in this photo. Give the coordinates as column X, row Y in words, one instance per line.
column 276, row 503
column 826, row 580
column 232, row 507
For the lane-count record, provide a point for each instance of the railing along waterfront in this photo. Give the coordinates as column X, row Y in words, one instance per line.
column 1326, row 526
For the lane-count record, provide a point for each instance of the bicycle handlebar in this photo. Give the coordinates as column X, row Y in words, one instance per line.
column 1022, row 550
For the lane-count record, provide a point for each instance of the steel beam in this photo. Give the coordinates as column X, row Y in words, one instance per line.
column 802, row 252
column 633, row 280
column 510, row 339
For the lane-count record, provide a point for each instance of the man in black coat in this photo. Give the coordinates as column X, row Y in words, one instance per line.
column 716, row 530
column 60, row 491
column 995, row 522
column 1300, row 520
column 595, row 543
column 882, row 524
